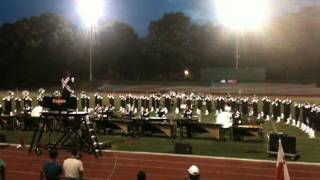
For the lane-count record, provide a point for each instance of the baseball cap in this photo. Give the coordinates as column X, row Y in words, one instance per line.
column 193, row 170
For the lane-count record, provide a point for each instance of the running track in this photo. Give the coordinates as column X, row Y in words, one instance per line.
column 124, row 166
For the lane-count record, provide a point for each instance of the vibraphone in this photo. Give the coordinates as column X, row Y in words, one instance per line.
column 247, row 132
column 193, row 127
column 137, row 126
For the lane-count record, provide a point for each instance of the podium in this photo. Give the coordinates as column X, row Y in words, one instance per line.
column 73, row 129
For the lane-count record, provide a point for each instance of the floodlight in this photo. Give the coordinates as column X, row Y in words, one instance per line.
column 90, row 11
column 243, row 14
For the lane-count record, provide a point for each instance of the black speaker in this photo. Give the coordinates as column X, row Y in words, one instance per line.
column 180, row 148
column 288, row 143
column 3, row 138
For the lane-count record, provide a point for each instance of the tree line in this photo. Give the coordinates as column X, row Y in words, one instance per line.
column 36, row 51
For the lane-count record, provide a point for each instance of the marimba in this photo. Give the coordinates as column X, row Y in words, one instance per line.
column 193, row 126
column 247, row 132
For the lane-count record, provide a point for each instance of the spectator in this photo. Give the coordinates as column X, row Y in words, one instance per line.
column 73, row 167
column 141, row 175
column 193, row 173
column 51, row 170
column 2, row 170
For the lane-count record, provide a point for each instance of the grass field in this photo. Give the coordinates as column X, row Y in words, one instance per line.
column 308, row 148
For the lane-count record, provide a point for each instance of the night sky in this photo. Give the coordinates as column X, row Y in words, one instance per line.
column 137, row 13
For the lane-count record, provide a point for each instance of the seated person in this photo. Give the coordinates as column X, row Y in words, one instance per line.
column 51, row 170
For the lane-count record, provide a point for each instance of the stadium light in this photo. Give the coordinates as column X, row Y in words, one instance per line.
column 242, row 15
column 90, row 12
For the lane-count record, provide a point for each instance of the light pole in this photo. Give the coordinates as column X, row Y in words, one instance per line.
column 90, row 54
column 90, row 12
column 237, row 52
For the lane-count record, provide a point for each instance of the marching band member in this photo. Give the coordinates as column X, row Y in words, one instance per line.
column 143, row 102
column 84, row 101
column 131, row 100
column 98, row 99
column 27, row 102
column 153, row 103
column 287, row 110
column 147, row 103
column 8, row 103
column 189, row 101
column 305, row 120
column 208, row 100
column 18, row 108
column 255, row 102
column 122, row 104
column 266, row 108
column 40, row 96
column 199, row 104
column 128, row 100
column 297, row 112
column 244, row 106
column 167, row 102
column 178, row 106
column 233, row 104
column 111, row 100
column 135, row 103
column 158, row 103
column 313, row 116
column 276, row 109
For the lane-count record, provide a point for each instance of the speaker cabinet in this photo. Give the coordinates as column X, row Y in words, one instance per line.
column 181, row 148
column 288, row 143
column 3, row 138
